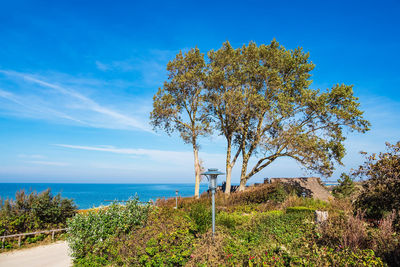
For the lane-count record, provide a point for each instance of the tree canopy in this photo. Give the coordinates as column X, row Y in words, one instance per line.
column 260, row 99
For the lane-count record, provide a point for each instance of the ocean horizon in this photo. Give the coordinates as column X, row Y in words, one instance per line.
column 89, row 195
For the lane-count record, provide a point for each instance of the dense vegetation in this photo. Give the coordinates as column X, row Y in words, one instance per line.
column 269, row 225
column 34, row 211
column 380, row 193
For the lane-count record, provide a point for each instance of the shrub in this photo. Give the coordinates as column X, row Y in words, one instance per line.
column 345, row 230
column 166, row 240
column 276, row 192
column 201, row 215
column 316, row 257
column 231, row 220
column 381, row 192
column 386, row 242
column 90, row 232
column 316, row 204
column 345, row 188
column 34, row 212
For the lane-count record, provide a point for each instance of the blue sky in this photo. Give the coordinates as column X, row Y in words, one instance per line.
column 77, row 80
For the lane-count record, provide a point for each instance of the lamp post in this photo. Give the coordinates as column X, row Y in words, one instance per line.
column 212, row 175
column 176, row 199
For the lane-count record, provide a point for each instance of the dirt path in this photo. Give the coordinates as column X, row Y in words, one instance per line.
column 53, row 255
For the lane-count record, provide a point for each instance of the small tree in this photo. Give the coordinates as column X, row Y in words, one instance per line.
column 345, row 188
column 179, row 105
column 380, row 193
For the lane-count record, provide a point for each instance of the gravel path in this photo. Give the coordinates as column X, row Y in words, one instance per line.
column 53, row 255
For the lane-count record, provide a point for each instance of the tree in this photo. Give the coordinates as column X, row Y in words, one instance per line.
column 225, row 99
column 345, row 188
column 179, row 105
column 284, row 117
column 261, row 101
column 380, row 193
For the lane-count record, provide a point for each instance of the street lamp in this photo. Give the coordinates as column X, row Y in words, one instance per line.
column 176, row 199
column 212, row 175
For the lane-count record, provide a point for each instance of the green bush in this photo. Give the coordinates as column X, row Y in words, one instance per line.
column 201, row 215
column 91, row 232
column 345, row 188
column 231, row 220
column 316, row 257
column 380, row 193
column 34, row 211
column 276, row 192
column 166, row 240
column 35, row 239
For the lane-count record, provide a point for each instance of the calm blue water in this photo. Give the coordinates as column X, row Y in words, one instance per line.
column 93, row 195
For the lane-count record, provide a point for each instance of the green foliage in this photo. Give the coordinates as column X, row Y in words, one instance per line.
column 380, row 193
column 34, row 211
column 299, row 209
column 201, row 215
column 166, row 240
column 287, row 237
column 316, row 204
column 231, row 220
column 91, row 232
column 35, row 239
column 345, row 188
column 276, row 192
column 316, row 257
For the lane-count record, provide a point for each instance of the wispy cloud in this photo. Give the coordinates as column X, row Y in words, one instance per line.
column 51, row 100
column 48, row 163
column 166, row 156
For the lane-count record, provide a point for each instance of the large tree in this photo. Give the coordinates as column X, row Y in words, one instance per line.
column 179, row 105
column 284, row 117
column 262, row 102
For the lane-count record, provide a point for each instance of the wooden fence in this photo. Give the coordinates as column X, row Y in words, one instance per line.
column 52, row 231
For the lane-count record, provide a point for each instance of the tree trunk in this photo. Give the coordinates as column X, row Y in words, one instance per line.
column 243, row 177
column 228, row 179
column 242, row 185
column 196, row 172
column 228, row 168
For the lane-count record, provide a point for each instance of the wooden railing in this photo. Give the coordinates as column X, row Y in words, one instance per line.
column 52, row 231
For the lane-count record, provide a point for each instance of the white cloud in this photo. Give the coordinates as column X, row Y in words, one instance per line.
column 65, row 104
column 167, row 156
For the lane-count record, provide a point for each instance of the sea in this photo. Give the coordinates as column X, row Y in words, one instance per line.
column 88, row 196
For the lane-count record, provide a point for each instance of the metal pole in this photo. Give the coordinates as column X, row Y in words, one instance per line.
column 213, row 210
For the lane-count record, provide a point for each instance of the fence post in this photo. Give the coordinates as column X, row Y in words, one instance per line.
column 19, row 241
column 52, row 235
column 4, row 240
